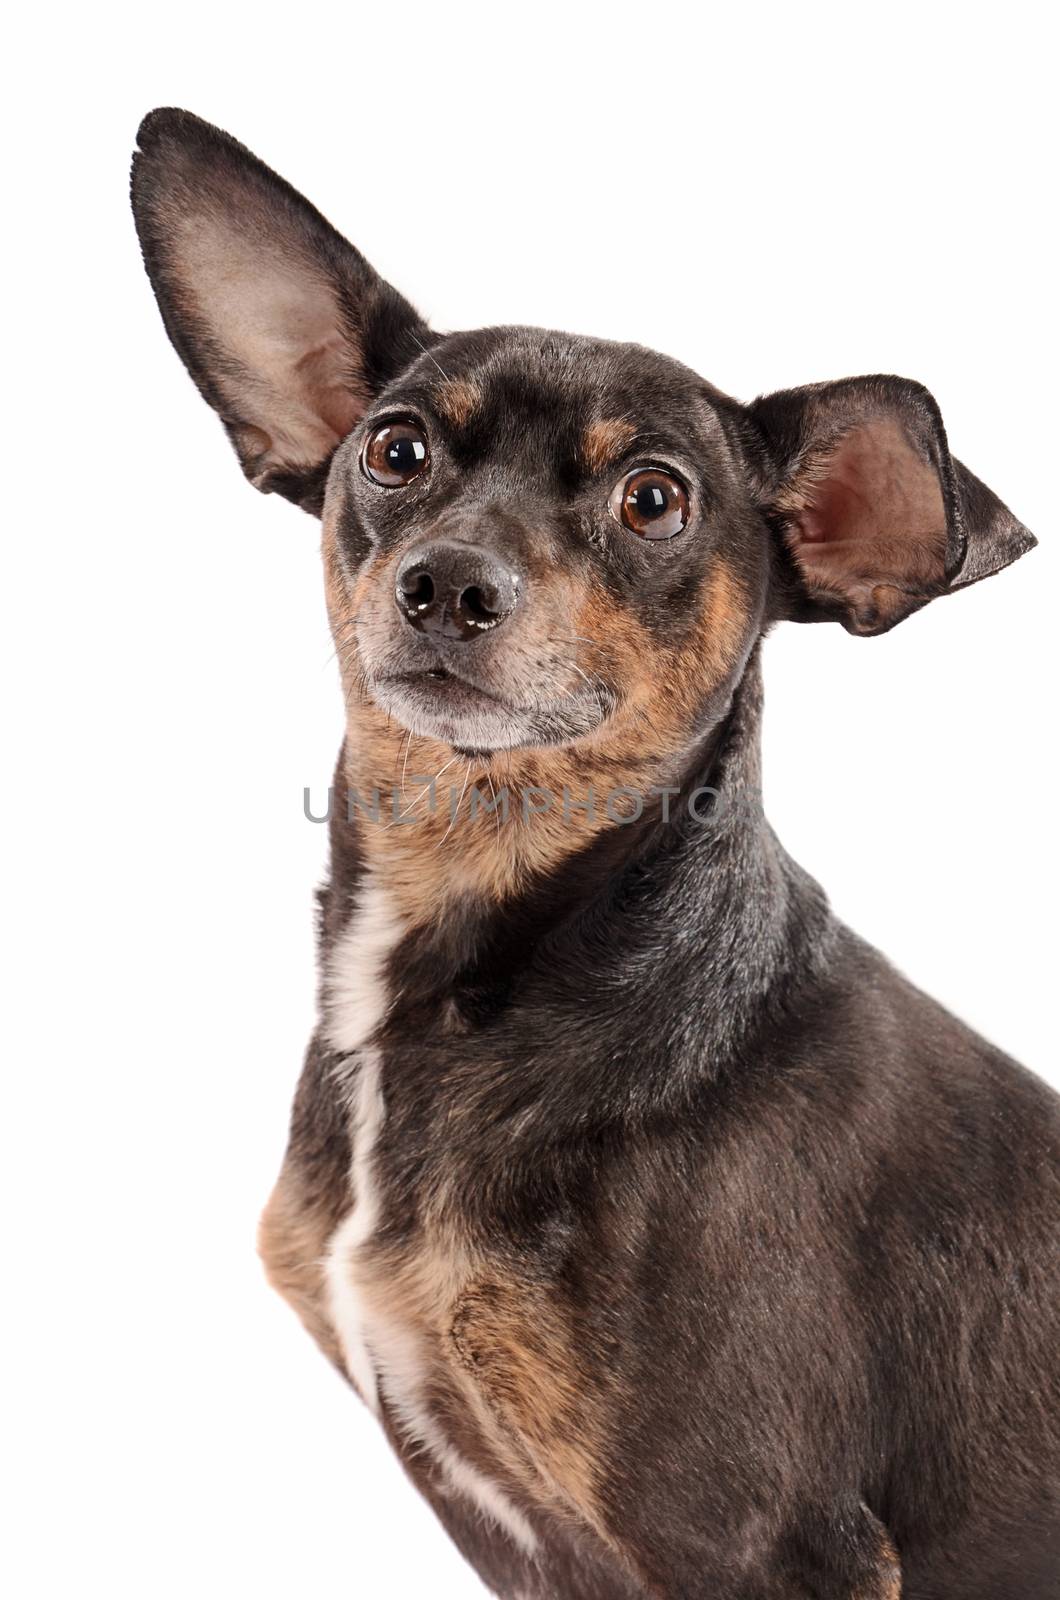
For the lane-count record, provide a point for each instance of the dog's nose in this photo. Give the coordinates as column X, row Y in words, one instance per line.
column 456, row 591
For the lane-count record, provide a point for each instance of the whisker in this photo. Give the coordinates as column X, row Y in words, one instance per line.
column 496, row 812
column 405, row 762
column 456, row 813
column 430, row 357
column 425, row 790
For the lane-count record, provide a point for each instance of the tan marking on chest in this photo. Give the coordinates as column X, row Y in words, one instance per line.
column 475, row 1370
column 545, row 1409
column 446, row 1326
column 886, row 1582
column 293, row 1238
column 407, row 1300
column 444, row 1322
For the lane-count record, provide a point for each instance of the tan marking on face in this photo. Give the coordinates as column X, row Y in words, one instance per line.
column 344, row 599
column 433, row 860
column 721, row 632
column 457, row 399
column 603, row 441
column 666, row 684
column 426, row 859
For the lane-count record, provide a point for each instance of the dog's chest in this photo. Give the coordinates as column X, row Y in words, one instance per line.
column 393, row 1306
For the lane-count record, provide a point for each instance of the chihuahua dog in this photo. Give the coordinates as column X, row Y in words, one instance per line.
column 680, row 1246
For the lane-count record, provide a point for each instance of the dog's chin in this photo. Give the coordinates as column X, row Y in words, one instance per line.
column 439, row 705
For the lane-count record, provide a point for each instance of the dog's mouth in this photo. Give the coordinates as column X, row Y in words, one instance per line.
column 440, row 685
column 441, row 703
column 445, row 705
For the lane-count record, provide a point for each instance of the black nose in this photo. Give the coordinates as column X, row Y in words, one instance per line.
column 456, row 591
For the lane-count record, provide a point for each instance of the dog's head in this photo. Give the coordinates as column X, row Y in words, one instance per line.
column 534, row 539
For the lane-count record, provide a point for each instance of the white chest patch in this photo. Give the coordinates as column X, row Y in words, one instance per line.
column 356, row 1001
column 355, row 990
column 379, row 1355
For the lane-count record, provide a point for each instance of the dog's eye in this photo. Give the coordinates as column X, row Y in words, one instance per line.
column 395, row 454
column 650, row 503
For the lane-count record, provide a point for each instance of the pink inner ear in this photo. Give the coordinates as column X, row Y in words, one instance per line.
column 868, row 515
column 834, row 509
column 289, row 372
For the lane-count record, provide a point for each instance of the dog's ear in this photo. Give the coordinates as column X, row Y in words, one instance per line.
column 283, row 325
column 875, row 516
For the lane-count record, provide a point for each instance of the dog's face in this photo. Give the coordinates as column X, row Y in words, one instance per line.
column 532, row 539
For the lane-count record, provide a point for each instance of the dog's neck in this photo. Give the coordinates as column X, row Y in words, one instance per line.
column 445, row 829
column 707, row 900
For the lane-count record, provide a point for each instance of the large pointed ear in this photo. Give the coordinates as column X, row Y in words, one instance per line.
column 284, row 326
column 875, row 516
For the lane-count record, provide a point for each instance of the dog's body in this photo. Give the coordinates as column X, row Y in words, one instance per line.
column 681, row 1246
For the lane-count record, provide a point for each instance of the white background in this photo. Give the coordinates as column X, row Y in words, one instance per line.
column 799, row 194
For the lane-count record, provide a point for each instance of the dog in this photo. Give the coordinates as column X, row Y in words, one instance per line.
column 681, row 1247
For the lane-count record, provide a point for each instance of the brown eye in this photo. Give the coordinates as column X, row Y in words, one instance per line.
column 395, row 454
column 650, row 503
